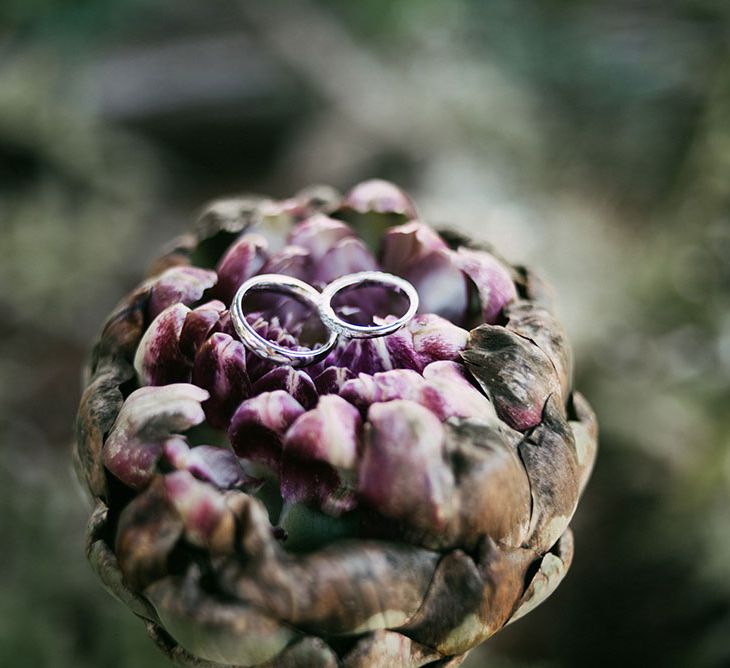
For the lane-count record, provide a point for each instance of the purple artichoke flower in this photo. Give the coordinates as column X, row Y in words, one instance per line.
column 392, row 505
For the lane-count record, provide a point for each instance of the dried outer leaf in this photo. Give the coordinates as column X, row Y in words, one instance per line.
column 449, row 619
column 175, row 253
column 309, row 652
column 98, row 409
column 585, row 432
column 551, row 462
column 503, row 574
column 230, row 214
column 104, row 562
column 389, row 648
column 516, row 375
column 532, row 286
column 318, row 197
column 348, row 587
column 551, row 571
column 451, row 662
column 148, row 530
column 123, row 328
column 539, row 325
column 492, row 490
column 469, row 600
column 176, row 654
column 229, row 633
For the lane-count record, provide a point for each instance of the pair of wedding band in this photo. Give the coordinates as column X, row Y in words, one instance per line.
column 322, row 303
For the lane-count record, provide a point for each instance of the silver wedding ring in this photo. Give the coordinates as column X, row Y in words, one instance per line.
column 322, row 303
column 263, row 347
column 359, row 280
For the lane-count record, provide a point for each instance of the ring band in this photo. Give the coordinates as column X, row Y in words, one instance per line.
column 261, row 346
column 364, row 278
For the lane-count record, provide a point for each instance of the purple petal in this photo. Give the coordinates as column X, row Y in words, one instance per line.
column 318, row 234
column 379, row 196
column 259, row 367
column 401, row 352
column 220, row 368
column 207, row 519
column 258, row 426
column 442, row 287
column 406, row 245
column 290, row 261
column 184, row 285
column 313, row 482
column 216, row 465
column 148, row 422
column 435, row 338
column 402, row 472
column 347, row 256
column 416, row 252
column 295, row 382
column 457, row 396
column 328, row 433
column 331, row 380
column 198, row 326
column 159, row 360
column 492, row 280
column 386, row 386
column 425, row 339
column 444, row 389
column 318, row 444
column 363, row 356
column 242, row 260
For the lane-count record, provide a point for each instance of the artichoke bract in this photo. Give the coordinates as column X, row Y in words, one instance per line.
column 392, row 505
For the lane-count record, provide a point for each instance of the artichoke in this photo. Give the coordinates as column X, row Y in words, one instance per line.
column 393, row 505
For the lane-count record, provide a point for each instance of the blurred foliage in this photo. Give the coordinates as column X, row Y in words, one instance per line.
column 590, row 139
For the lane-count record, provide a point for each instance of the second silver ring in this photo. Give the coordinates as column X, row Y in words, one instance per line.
column 363, row 279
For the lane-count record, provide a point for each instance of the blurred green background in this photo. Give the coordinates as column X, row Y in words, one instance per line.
column 590, row 139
